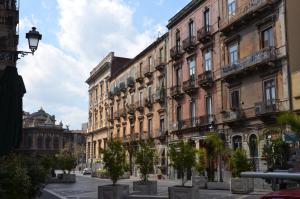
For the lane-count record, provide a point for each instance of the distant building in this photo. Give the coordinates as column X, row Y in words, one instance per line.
column 41, row 135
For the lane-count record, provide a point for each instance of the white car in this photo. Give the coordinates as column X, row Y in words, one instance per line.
column 87, row 171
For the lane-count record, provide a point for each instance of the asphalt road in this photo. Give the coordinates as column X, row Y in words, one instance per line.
column 86, row 188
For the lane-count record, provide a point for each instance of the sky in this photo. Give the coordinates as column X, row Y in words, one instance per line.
column 77, row 34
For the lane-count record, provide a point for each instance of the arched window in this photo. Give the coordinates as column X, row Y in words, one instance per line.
column 40, row 142
column 55, row 143
column 253, row 146
column 48, row 142
column 237, row 142
column 29, row 142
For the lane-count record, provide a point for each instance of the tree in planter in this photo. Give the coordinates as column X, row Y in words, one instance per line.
column 66, row 162
column 183, row 157
column 145, row 158
column 239, row 163
column 200, row 164
column 291, row 119
column 114, row 159
column 214, row 147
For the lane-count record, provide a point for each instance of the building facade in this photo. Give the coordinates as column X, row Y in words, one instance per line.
column 229, row 66
column 98, row 126
column 138, row 102
column 42, row 136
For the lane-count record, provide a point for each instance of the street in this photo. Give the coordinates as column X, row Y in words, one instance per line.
column 86, row 188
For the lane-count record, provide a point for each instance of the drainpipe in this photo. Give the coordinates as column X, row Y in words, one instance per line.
column 288, row 62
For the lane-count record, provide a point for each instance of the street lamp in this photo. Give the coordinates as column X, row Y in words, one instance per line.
column 33, row 37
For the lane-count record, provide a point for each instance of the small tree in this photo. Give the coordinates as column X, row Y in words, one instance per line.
column 239, row 163
column 214, row 147
column 66, row 162
column 183, row 157
column 114, row 159
column 145, row 158
column 200, row 164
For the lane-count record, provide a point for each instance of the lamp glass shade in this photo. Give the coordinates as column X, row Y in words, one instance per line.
column 33, row 37
column 33, row 43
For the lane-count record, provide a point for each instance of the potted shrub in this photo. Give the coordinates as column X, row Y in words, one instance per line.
column 66, row 162
column 145, row 158
column 114, row 164
column 238, row 164
column 182, row 156
column 200, row 180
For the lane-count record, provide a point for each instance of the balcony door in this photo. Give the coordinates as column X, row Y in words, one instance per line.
column 231, row 6
column 193, row 112
column 191, row 30
column 177, row 39
column 208, row 107
column 267, row 38
column 178, row 116
column 192, row 67
column 233, row 53
column 206, row 20
column 235, row 99
column 270, row 93
column 178, row 76
column 207, row 60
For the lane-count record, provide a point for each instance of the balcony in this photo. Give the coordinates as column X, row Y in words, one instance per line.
column 271, row 107
column 148, row 70
column 149, row 101
column 139, row 77
column 175, row 92
column 130, row 109
column 176, row 52
column 204, row 35
column 247, row 11
column 122, row 87
column 117, row 115
column 189, row 86
column 160, row 64
column 117, row 90
column 160, row 95
column 139, row 105
column 189, row 44
column 130, row 82
column 111, row 95
column 259, row 58
column 231, row 116
column 205, row 80
column 123, row 113
column 161, row 134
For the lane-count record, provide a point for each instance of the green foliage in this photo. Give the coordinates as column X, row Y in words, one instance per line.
column 277, row 154
column 66, row 162
column 21, row 177
column 214, row 148
column 200, row 162
column 291, row 119
column 114, row 159
column 48, row 162
column 145, row 158
column 239, row 163
column 183, row 157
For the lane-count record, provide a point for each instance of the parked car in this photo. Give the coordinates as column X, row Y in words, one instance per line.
column 87, row 171
column 283, row 194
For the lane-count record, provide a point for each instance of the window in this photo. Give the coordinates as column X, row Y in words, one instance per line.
column 56, row 143
column 233, row 53
column 89, row 150
column 207, row 60
column 161, row 55
column 269, row 92
column 191, row 29
column 141, row 127
column 237, row 142
column 40, row 142
column 178, row 75
column 193, row 112
column 206, row 20
column 162, row 124
column 177, row 40
column 149, row 127
column 118, row 132
column 253, row 146
column 178, row 113
column 101, row 89
column 192, row 66
column 94, row 149
column 231, row 7
column 149, row 93
column 141, row 98
column 208, row 104
column 99, row 148
column 140, row 69
column 235, row 99
column 267, row 38
column 132, row 98
column 48, row 142
column 124, row 131
column 150, row 62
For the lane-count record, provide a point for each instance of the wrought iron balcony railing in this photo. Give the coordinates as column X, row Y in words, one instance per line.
column 205, row 79
column 204, row 34
column 139, row 76
column 122, row 86
column 160, row 95
column 249, row 9
column 149, row 101
column 268, row 107
column 260, row 57
column 189, row 86
column 160, row 64
column 130, row 109
column 130, row 81
column 176, row 52
column 175, row 91
column 189, row 44
column 232, row 115
column 139, row 105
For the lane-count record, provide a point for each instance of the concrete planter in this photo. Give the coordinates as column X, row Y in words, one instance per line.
column 145, row 187
column 241, row 185
column 218, row 186
column 199, row 181
column 180, row 192
column 113, row 192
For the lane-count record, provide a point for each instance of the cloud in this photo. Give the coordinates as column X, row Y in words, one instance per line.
column 88, row 30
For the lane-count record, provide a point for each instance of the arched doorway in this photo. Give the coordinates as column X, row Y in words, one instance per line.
column 254, row 152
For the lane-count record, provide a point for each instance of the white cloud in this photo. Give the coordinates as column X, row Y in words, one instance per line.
column 89, row 29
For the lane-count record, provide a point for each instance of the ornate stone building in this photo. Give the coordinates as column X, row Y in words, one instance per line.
column 41, row 135
column 98, row 126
